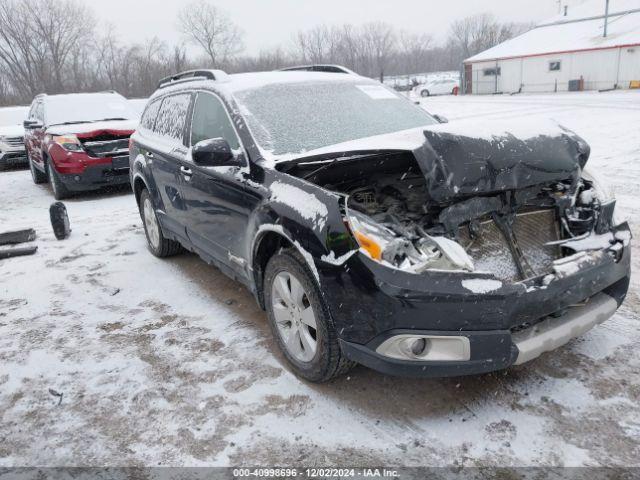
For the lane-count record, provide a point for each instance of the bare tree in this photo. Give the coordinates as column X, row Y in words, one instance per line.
column 380, row 41
column 414, row 52
column 210, row 28
column 21, row 55
column 48, row 46
column 477, row 33
column 61, row 25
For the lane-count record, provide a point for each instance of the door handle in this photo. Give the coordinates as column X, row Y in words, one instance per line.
column 187, row 172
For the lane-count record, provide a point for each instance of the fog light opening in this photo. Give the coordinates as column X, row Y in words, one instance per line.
column 419, row 346
column 427, row 348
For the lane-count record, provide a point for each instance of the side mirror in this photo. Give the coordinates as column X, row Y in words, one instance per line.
column 31, row 124
column 214, row 152
column 441, row 118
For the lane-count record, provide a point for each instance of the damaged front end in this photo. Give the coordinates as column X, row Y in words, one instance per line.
column 516, row 209
column 475, row 254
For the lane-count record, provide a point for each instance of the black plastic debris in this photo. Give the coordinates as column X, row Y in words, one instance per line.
column 60, row 220
column 17, row 252
column 20, row 236
column 53, row 393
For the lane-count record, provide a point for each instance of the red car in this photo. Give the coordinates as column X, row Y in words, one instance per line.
column 79, row 142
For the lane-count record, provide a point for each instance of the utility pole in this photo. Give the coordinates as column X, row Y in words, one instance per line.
column 606, row 18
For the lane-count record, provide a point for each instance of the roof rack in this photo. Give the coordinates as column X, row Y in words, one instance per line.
column 191, row 76
column 319, row 68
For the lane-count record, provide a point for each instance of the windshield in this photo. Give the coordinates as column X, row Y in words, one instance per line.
column 298, row 117
column 13, row 116
column 82, row 108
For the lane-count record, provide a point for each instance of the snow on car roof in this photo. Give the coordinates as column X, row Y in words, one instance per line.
column 248, row 81
column 573, row 33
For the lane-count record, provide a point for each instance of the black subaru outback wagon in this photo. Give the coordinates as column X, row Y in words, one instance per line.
column 372, row 232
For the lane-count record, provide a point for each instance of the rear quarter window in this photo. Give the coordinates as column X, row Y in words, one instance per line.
column 172, row 116
column 149, row 116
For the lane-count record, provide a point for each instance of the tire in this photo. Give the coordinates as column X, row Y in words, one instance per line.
column 158, row 245
column 60, row 192
column 425, row 93
column 313, row 353
column 37, row 176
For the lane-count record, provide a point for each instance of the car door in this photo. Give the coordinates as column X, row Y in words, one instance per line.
column 35, row 136
column 164, row 149
column 218, row 199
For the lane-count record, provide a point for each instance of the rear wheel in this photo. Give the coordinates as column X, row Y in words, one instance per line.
column 158, row 245
column 60, row 192
column 37, row 176
column 425, row 93
column 300, row 320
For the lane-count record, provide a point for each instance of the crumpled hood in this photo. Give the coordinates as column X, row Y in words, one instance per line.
column 468, row 158
column 110, row 126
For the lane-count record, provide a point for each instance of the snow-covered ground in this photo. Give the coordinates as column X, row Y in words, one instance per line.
column 171, row 363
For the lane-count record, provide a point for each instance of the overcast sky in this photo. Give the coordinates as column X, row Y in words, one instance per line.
column 268, row 23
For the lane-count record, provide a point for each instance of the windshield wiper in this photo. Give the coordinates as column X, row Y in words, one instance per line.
column 68, row 123
column 109, row 119
column 331, row 163
column 77, row 122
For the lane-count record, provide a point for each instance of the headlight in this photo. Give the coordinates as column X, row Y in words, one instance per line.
column 604, row 193
column 68, row 142
column 416, row 256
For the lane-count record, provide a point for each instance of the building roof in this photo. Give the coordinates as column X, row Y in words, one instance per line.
column 582, row 29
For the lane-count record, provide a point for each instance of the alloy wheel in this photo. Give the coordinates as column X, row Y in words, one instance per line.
column 151, row 224
column 52, row 179
column 32, row 167
column 294, row 316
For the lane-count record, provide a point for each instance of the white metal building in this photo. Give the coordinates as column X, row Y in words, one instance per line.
column 566, row 52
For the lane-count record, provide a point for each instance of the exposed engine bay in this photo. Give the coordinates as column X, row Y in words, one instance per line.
column 514, row 234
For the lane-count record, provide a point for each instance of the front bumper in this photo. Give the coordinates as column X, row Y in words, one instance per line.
column 508, row 325
column 95, row 177
column 494, row 350
column 79, row 171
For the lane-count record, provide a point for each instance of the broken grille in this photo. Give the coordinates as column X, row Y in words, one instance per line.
column 107, row 148
column 491, row 253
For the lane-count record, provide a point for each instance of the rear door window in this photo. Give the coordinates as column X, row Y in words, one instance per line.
column 211, row 120
column 172, row 117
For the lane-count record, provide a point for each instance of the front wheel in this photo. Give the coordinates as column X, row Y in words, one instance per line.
column 158, row 245
column 60, row 192
column 37, row 176
column 425, row 93
column 300, row 320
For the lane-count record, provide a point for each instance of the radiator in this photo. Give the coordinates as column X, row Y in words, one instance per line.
column 490, row 251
